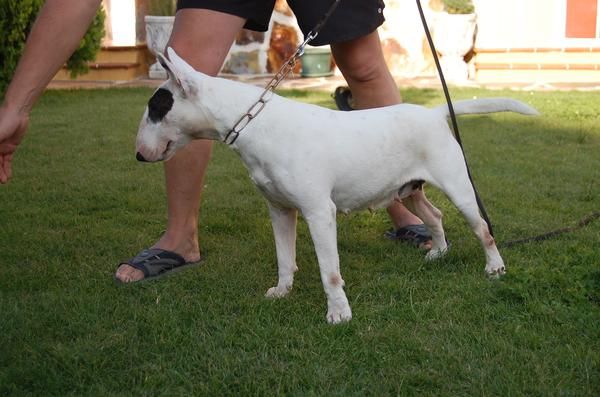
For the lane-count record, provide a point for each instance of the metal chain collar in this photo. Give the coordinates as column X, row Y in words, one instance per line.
column 285, row 69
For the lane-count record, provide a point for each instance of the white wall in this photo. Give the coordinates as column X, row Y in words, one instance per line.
column 121, row 22
column 524, row 23
column 520, row 23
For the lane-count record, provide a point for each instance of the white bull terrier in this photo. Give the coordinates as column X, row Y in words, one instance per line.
column 320, row 161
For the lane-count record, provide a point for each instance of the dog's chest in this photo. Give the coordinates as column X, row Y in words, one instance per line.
column 272, row 184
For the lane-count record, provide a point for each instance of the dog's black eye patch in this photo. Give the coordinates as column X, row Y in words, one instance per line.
column 160, row 104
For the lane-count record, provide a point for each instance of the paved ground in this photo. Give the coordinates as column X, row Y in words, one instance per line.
column 329, row 83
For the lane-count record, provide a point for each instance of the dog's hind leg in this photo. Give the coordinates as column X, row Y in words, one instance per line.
column 284, row 230
column 417, row 203
column 461, row 193
column 321, row 221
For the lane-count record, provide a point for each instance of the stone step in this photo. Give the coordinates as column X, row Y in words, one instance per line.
column 540, row 56
column 537, row 76
column 114, row 64
column 107, row 72
column 538, row 65
column 124, row 54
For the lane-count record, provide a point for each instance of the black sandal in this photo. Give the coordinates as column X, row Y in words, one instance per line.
column 156, row 262
column 416, row 235
column 343, row 98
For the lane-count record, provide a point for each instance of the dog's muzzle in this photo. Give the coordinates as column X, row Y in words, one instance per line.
column 151, row 157
column 140, row 157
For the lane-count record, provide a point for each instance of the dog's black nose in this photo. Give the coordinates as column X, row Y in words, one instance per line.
column 139, row 157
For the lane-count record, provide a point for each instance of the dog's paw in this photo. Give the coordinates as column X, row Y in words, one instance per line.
column 436, row 253
column 278, row 291
column 339, row 316
column 495, row 270
column 338, row 311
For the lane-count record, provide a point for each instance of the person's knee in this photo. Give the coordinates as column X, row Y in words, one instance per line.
column 371, row 83
column 369, row 71
column 203, row 37
column 361, row 60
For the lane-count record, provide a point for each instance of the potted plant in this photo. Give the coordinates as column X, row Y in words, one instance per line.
column 317, row 62
column 159, row 24
column 459, row 7
column 454, row 35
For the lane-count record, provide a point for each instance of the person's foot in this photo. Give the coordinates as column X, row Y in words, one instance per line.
column 189, row 251
column 408, row 227
column 343, row 98
column 415, row 235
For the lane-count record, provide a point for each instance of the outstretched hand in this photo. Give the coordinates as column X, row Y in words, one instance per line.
column 13, row 126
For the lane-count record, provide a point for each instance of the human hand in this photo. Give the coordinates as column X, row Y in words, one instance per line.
column 13, row 126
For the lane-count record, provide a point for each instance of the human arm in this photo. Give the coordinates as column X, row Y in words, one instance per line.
column 55, row 35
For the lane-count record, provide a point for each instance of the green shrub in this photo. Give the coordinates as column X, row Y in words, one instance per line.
column 89, row 46
column 459, row 6
column 16, row 19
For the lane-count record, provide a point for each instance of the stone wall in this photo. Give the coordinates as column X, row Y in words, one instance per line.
column 260, row 53
column 403, row 40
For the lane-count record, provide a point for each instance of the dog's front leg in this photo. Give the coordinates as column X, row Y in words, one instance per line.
column 284, row 230
column 322, row 225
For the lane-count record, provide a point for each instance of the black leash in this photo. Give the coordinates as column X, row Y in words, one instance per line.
column 343, row 97
column 582, row 223
column 453, row 116
column 315, row 31
column 545, row 236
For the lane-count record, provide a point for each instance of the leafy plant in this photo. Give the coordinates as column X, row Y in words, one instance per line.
column 161, row 7
column 459, row 6
column 16, row 20
column 89, row 46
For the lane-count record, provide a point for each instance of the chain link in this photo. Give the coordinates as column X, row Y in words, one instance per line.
column 285, row 69
column 267, row 94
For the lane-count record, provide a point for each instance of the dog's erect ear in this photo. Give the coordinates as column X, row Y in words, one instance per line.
column 179, row 71
column 168, row 66
column 183, row 68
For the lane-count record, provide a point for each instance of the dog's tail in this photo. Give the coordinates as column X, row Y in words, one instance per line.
column 488, row 105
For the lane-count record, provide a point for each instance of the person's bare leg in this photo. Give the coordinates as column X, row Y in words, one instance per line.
column 54, row 36
column 362, row 63
column 203, row 38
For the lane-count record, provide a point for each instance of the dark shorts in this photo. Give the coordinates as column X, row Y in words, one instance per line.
column 351, row 19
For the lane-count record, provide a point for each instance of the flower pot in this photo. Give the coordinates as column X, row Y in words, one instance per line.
column 454, row 36
column 316, row 62
column 158, row 31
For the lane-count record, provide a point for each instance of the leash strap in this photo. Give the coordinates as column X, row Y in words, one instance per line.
column 548, row 235
column 285, row 69
column 453, row 116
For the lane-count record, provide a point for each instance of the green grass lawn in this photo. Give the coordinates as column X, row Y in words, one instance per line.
column 79, row 203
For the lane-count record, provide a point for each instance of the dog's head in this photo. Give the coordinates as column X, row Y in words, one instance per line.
column 173, row 116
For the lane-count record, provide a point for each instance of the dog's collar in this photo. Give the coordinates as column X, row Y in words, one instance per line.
column 285, row 69
column 254, row 110
column 267, row 94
